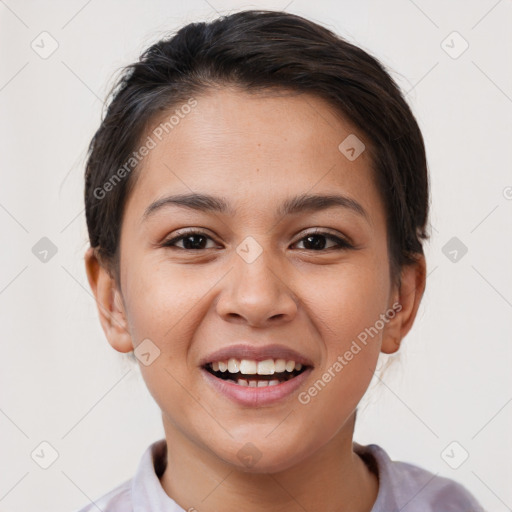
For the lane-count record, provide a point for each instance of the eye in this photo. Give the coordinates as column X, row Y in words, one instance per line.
column 316, row 241
column 193, row 240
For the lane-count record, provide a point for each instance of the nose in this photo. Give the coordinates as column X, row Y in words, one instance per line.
column 257, row 294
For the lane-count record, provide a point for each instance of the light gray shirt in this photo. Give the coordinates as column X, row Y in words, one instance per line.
column 402, row 487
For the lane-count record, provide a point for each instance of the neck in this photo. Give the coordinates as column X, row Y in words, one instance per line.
column 332, row 478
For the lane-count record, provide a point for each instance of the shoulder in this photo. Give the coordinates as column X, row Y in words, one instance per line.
column 118, row 499
column 402, row 483
column 433, row 490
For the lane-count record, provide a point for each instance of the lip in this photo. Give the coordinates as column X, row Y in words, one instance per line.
column 256, row 353
column 256, row 397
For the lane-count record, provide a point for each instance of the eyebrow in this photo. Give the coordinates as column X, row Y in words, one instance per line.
column 295, row 205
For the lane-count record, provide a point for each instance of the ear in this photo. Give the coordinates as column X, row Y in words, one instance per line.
column 406, row 299
column 109, row 302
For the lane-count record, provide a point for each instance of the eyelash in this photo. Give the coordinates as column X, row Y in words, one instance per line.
column 342, row 244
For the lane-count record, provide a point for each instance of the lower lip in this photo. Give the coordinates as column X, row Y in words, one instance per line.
column 255, row 397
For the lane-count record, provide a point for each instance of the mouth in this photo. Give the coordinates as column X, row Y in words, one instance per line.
column 253, row 373
column 256, row 376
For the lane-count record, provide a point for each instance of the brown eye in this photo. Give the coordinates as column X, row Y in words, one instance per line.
column 193, row 240
column 317, row 242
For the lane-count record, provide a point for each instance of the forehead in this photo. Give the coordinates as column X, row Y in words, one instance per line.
column 256, row 149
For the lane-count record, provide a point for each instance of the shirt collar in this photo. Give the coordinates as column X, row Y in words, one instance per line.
column 375, row 457
column 148, row 493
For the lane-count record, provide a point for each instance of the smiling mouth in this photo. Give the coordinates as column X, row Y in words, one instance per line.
column 253, row 373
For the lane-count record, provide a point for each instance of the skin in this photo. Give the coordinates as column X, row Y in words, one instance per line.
column 256, row 150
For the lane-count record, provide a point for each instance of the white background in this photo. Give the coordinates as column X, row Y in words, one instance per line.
column 61, row 382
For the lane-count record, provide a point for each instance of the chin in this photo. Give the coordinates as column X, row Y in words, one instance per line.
column 263, row 457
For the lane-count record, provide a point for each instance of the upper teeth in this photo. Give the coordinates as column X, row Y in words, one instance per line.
column 251, row 367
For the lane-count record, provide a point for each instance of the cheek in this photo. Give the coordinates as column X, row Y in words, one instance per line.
column 164, row 306
column 344, row 314
column 346, row 311
column 347, row 301
column 162, row 299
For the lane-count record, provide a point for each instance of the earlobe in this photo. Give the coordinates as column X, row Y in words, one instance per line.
column 109, row 303
column 408, row 296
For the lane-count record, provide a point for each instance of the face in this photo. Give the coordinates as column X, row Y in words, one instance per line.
column 263, row 280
